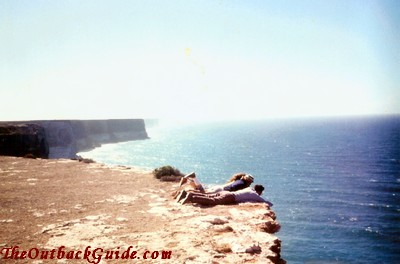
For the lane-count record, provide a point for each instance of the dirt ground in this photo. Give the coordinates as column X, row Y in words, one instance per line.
column 69, row 209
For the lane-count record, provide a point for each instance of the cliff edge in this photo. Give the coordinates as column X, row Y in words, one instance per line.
column 72, row 208
column 65, row 138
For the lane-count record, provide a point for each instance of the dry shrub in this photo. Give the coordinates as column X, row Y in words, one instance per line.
column 166, row 171
column 171, row 178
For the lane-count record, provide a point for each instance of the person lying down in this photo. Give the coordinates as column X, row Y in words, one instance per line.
column 237, row 190
column 248, row 194
column 237, row 182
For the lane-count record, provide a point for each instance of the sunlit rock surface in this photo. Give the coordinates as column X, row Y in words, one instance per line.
column 47, row 204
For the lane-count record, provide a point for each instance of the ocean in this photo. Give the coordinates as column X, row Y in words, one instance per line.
column 334, row 182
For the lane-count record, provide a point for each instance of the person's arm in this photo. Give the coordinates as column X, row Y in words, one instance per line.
column 269, row 203
column 262, row 200
column 249, row 196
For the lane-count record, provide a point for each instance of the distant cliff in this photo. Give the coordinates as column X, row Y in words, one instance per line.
column 65, row 138
column 22, row 139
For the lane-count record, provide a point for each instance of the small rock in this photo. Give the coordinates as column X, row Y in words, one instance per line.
column 219, row 256
column 222, row 248
column 92, row 217
column 269, row 214
column 275, row 258
column 38, row 214
column 276, row 247
column 269, row 227
column 191, row 258
column 255, row 249
column 218, row 221
column 31, row 179
column 224, row 229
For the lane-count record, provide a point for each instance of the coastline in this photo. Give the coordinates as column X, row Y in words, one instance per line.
column 46, row 204
column 56, row 139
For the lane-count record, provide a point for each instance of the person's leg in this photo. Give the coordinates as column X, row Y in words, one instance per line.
column 215, row 199
column 182, row 194
column 198, row 198
column 191, row 180
column 198, row 184
column 185, row 178
column 224, row 198
column 214, row 195
column 182, row 181
column 190, row 175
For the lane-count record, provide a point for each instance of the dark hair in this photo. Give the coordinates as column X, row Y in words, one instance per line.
column 259, row 188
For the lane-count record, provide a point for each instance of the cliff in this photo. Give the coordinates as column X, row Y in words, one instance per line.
column 22, row 139
column 65, row 138
column 73, row 206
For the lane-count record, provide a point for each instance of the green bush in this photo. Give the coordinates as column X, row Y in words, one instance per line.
column 166, row 171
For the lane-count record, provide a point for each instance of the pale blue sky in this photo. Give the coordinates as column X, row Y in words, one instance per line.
column 198, row 59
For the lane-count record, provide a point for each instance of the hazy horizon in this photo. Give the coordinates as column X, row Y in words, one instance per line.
column 176, row 120
column 198, row 60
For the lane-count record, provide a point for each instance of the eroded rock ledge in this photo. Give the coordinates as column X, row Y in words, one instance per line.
column 51, row 203
column 65, row 138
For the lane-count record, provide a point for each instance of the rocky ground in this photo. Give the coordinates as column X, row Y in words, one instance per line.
column 47, row 204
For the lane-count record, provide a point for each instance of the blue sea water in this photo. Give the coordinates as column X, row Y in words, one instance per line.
column 334, row 182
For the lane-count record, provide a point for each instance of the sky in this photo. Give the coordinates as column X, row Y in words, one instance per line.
column 198, row 60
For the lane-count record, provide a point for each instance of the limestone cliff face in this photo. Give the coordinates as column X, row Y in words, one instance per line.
column 22, row 139
column 64, row 138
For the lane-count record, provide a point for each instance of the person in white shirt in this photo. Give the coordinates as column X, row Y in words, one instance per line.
column 225, row 197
